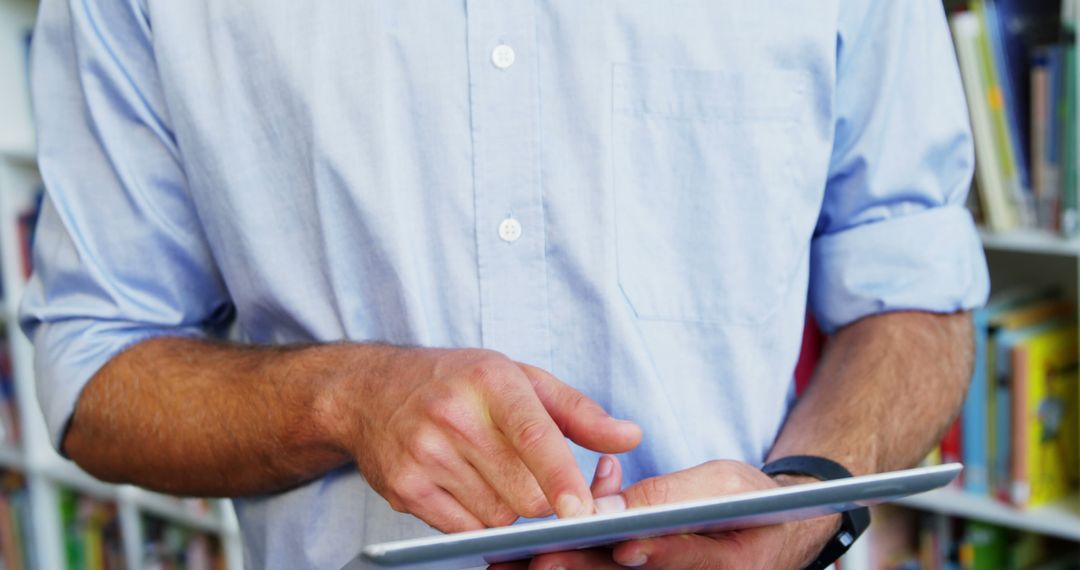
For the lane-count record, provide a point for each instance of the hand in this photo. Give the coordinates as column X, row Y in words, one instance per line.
column 468, row 439
column 784, row 546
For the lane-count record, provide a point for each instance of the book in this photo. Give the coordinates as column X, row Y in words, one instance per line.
column 995, row 197
column 1044, row 166
column 10, row 549
column 1046, row 458
column 9, row 408
column 984, row 547
column 1070, row 223
column 1013, row 333
column 1016, row 27
column 91, row 532
column 977, row 415
column 1007, row 48
column 997, row 91
column 167, row 545
column 27, row 223
column 16, row 545
column 952, row 447
column 1005, row 329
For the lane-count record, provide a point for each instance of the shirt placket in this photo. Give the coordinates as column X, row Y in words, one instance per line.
column 510, row 230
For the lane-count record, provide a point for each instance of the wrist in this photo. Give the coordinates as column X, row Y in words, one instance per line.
column 342, row 377
column 812, row 534
column 798, row 468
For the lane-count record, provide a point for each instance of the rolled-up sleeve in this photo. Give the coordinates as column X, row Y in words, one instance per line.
column 893, row 232
column 119, row 254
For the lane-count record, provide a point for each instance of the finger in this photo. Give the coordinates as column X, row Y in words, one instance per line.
column 500, row 466
column 542, row 447
column 712, row 479
column 471, row 490
column 592, row 559
column 438, row 508
column 580, row 418
column 675, row 551
column 443, row 466
column 608, row 477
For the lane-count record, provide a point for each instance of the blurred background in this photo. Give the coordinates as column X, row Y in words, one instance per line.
column 52, row 514
column 1017, row 505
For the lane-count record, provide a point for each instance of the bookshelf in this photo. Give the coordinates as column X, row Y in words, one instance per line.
column 1060, row 519
column 50, row 480
column 1019, row 256
column 1030, row 241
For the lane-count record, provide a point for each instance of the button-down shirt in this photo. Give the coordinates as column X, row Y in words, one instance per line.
column 643, row 197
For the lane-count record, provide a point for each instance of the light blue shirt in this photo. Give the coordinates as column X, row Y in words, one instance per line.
column 639, row 196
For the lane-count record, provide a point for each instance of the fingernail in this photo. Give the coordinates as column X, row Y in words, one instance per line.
column 569, row 506
column 557, row 567
column 610, row 504
column 636, row 561
column 605, row 467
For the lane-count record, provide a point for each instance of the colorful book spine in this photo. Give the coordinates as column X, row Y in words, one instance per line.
column 1070, row 223
column 974, row 416
column 998, row 209
column 1045, row 416
column 998, row 38
column 994, row 90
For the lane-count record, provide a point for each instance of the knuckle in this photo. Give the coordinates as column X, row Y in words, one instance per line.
column 446, row 522
column 502, row 516
column 490, row 371
column 456, row 419
column 409, row 490
column 446, row 411
column 535, row 505
column 429, row 450
column 579, row 402
column 531, row 435
column 397, row 500
column 655, row 491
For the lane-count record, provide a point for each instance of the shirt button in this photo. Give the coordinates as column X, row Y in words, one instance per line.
column 510, row 230
column 502, row 56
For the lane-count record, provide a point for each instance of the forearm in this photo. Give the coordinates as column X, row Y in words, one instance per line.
column 192, row 417
column 885, row 391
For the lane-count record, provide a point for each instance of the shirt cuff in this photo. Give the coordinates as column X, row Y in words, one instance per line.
column 927, row 261
column 69, row 353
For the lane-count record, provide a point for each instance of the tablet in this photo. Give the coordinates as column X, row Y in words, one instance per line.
column 760, row 508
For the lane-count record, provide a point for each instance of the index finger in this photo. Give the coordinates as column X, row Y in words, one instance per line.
column 543, row 449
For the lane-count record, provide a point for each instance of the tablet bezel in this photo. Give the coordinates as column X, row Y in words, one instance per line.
column 746, row 510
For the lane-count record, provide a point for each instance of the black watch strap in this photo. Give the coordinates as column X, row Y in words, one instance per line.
column 852, row 523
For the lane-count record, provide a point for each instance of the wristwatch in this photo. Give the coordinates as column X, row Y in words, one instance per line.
column 852, row 523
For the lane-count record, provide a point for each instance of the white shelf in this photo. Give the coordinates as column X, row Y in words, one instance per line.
column 1061, row 519
column 11, row 457
column 70, row 476
column 22, row 153
column 174, row 510
column 165, row 507
column 1030, row 241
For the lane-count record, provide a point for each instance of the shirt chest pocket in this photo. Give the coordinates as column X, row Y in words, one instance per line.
column 705, row 166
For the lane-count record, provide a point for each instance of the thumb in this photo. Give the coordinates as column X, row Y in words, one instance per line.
column 579, row 417
column 712, row 479
column 649, row 492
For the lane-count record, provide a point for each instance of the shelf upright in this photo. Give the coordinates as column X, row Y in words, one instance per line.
column 17, row 184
